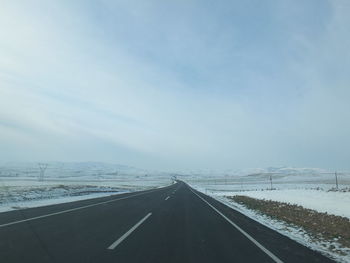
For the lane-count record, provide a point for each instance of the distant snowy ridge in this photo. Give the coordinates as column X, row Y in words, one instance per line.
column 253, row 171
column 72, row 170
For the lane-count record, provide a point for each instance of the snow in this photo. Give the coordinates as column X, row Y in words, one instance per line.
column 309, row 187
column 336, row 203
column 261, row 178
column 20, row 186
column 44, row 202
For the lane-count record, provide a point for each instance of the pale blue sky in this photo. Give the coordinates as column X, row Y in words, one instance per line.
column 176, row 84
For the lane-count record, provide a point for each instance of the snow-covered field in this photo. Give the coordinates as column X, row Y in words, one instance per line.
column 332, row 202
column 316, row 190
column 21, row 185
column 261, row 179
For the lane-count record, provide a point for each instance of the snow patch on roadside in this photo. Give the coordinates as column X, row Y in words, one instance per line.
column 26, row 197
column 55, row 201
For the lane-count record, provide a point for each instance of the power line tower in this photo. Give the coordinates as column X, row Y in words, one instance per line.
column 42, row 167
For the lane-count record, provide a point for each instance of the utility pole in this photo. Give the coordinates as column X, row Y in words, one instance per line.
column 42, row 167
column 336, row 179
column 271, row 181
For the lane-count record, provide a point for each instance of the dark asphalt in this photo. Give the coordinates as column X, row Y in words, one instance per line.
column 182, row 228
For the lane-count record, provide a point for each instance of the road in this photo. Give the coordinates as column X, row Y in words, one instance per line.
column 171, row 224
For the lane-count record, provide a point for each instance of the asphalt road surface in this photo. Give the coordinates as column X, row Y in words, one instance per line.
column 171, row 224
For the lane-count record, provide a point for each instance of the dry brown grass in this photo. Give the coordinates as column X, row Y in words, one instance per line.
column 321, row 225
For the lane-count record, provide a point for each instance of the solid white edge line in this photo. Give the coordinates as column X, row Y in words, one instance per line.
column 75, row 209
column 121, row 239
column 265, row 250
